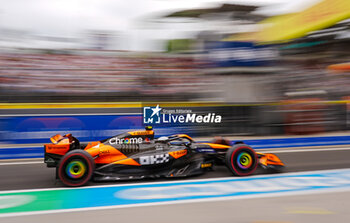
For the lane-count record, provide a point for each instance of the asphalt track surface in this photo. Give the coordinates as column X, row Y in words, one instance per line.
column 32, row 174
column 323, row 207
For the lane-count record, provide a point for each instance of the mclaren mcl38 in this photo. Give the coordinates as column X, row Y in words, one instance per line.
column 138, row 155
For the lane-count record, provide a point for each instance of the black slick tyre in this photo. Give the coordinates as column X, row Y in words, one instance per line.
column 241, row 160
column 76, row 168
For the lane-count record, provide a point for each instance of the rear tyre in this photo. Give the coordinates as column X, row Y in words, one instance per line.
column 76, row 168
column 241, row 160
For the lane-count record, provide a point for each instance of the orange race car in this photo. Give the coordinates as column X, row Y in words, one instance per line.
column 137, row 155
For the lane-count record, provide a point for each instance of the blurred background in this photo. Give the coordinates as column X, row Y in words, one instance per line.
column 268, row 67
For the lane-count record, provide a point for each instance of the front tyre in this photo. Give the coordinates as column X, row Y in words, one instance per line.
column 76, row 168
column 241, row 160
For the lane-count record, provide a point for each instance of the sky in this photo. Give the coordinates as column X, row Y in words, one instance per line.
column 66, row 18
column 60, row 16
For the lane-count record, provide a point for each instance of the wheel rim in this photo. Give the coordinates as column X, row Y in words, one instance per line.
column 244, row 160
column 75, row 169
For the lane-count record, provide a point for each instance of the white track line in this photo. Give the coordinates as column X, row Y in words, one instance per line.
column 304, row 150
column 16, row 147
column 280, row 194
column 175, row 181
column 189, row 201
column 21, row 163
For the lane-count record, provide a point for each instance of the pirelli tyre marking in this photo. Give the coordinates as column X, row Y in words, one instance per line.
column 154, row 159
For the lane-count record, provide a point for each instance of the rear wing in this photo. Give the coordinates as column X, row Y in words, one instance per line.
column 56, row 138
column 59, row 147
column 59, row 139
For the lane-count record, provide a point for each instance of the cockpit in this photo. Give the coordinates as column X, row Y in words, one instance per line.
column 176, row 140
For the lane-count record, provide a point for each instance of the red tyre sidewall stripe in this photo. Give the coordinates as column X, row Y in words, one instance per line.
column 63, row 178
column 233, row 166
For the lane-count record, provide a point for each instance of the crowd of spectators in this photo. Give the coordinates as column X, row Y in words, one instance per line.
column 37, row 76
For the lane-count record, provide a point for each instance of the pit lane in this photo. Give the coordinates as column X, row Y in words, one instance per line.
column 323, row 207
column 33, row 174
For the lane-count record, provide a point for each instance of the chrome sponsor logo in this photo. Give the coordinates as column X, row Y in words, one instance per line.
column 116, row 140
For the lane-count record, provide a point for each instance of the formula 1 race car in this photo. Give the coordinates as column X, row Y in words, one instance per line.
column 138, row 155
